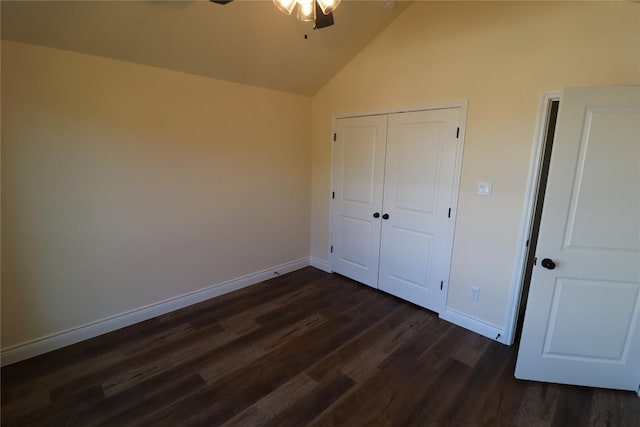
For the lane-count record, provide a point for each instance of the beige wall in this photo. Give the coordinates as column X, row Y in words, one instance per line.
column 124, row 185
column 500, row 57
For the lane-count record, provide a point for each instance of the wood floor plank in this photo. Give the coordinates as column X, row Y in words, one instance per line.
column 148, row 407
column 306, row 348
column 368, row 360
column 307, row 407
column 273, row 404
column 232, row 394
column 59, row 408
column 571, row 407
column 132, row 397
column 471, row 349
column 141, row 371
column 225, row 353
column 151, row 362
column 538, row 404
column 54, row 362
column 365, row 353
column 502, row 402
column 468, row 399
column 30, row 401
column 237, row 302
column 157, row 339
column 614, row 408
column 304, row 351
column 333, row 296
column 221, row 368
column 244, row 321
column 354, row 408
column 83, row 367
column 439, row 392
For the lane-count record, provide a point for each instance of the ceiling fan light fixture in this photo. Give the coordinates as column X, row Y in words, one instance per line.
column 320, row 12
column 306, row 10
column 285, row 6
column 328, row 6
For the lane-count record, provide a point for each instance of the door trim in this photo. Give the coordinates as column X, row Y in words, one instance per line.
column 408, row 109
column 455, row 191
column 527, row 217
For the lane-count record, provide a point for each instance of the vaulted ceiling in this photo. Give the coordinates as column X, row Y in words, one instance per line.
column 249, row 42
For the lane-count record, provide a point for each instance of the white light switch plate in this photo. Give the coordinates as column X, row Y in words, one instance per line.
column 484, row 188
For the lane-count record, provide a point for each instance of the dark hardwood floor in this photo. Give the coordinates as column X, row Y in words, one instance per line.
column 307, row 348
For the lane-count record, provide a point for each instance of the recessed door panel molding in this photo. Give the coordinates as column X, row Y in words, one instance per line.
column 395, row 177
column 596, row 340
column 416, row 161
column 582, row 316
column 355, row 234
column 596, row 190
column 358, row 166
column 410, row 268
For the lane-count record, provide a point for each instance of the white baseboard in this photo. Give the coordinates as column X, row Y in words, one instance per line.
column 74, row 335
column 475, row 325
column 61, row 339
column 319, row 264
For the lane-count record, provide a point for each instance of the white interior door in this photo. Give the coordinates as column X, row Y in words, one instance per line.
column 581, row 321
column 358, row 172
column 418, row 190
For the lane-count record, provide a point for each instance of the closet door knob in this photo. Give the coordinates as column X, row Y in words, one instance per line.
column 548, row 264
column 385, row 216
column 376, row 215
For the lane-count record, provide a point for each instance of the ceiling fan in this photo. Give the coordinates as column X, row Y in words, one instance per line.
column 318, row 11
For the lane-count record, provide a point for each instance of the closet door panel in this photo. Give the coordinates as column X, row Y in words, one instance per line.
column 418, row 184
column 358, row 173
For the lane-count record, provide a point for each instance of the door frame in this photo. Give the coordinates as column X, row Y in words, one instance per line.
column 455, row 191
column 535, row 168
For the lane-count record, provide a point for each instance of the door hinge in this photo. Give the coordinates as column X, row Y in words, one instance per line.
column 333, row 194
column 441, row 284
column 535, row 260
column 331, row 248
column 334, row 137
column 457, row 133
column 449, row 214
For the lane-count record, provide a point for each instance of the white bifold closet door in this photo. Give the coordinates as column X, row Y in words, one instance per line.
column 358, row 173
column 392, row 194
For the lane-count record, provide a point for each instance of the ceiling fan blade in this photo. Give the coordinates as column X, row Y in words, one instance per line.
column 222, row 2
column 322, row 20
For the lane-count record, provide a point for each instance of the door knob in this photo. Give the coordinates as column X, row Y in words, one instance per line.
column 548, row 264
column 376, row 215
column 385, row 216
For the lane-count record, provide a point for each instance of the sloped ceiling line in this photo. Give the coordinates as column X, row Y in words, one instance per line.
column 248, row 42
